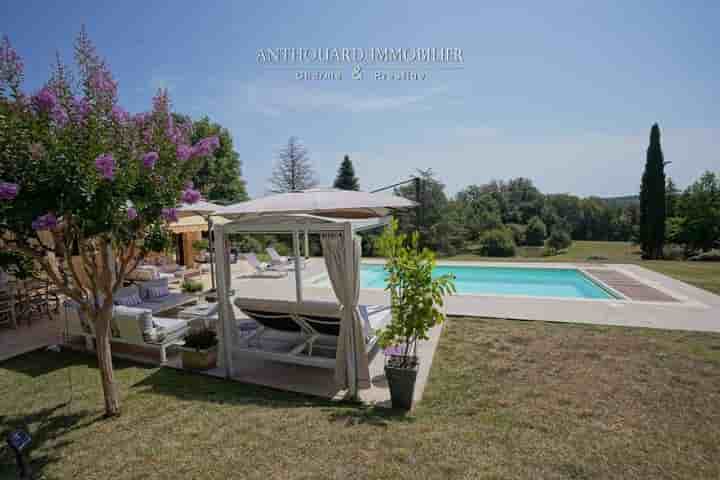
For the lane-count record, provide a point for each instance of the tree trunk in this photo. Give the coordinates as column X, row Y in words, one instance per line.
column 104, row 356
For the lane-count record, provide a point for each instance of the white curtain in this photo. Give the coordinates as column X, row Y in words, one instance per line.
column 351, row 362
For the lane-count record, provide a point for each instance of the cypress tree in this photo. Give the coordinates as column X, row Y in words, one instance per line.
column 652, row 199
column 346, row 179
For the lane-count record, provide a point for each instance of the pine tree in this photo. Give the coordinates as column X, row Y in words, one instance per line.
column 652, row 199
column 293, row 171
column 346, row 179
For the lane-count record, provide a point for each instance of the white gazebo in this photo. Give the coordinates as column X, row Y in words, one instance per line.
column 336, row 215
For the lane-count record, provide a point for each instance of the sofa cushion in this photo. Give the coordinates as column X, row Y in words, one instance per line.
column 129, row 300
column 158, row 292
column 152, row 284
column 170, row 325
column 131, row 322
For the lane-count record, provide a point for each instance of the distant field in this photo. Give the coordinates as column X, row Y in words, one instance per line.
column 705, row 275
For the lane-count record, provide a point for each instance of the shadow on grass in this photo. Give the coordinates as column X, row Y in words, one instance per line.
column 27, row 364
column 370, row 415
column 198, row 387
column 189, row 386
column 48, row 428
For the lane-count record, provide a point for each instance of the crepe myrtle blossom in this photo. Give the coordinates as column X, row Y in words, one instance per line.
column 60, row 116
column 170, row 214
column 206, row 146
column 45, row 100
column 45, row 222
column 11, row 65
column 101, row 82
column 8, row 191
column 81, row 107
column 190, row 195
column 149, row 160
column 105, row 165
column 132, row 213
column 184, row 152
column 119, row 114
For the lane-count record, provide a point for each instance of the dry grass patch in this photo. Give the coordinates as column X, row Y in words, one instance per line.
column 506, row 399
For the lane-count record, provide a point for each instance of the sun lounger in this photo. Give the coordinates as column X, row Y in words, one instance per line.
column 279, row 261
column 262, row 270
column 306, row 327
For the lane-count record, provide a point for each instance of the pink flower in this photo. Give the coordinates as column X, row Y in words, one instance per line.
column 60, row 116
column 45, row 222
column 149, row 160
column 105, row 165
column 132, row 213
column 81, row 107
column 190, row 196
column 206, row 146
column 11, row 65
column 119, row 115
column 8, row 191
column 184, row 152
column 102, row 82
column 45, row 100
column 169, row 214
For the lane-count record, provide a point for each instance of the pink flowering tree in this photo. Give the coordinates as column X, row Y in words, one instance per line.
column 82, row 178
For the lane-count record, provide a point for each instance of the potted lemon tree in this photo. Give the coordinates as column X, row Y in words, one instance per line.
column 200, row 350
column 416, row 299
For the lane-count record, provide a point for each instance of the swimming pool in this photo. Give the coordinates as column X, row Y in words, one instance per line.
column 522, row 281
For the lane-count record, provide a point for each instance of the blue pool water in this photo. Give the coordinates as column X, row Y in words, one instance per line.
column 534, row 282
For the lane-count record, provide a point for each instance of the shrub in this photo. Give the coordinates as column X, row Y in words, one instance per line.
column 518, row 232
column 416, row 296
column 559, row 240
column 191, row 286
column 536, row 232
column 283, row 249
column 201, row 339
column 497, row 243
column 673, row 252
column 710, row 256
column 246, row 243
column 201, row 244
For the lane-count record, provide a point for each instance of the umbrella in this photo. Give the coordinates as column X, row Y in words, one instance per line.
column 327, row 202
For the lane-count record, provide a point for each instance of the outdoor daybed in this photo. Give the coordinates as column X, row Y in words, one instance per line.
column 306, row 328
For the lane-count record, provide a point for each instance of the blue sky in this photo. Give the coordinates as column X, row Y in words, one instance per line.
column 561, row 92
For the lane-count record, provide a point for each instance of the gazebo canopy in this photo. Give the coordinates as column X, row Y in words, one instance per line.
column 199, row 208
column 327, row 202
column 300, row 222
column 334, row 214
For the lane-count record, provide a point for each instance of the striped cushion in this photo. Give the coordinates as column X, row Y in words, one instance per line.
column 129, row 300
column 158, row 292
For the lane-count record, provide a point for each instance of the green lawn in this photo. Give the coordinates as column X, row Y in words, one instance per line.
column 506, row 399
column 705, row 275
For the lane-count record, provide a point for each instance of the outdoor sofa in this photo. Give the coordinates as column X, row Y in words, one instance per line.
column 135, row 319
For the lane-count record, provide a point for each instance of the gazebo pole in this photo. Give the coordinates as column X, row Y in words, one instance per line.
column 212, row 248
column 298, row 271
column 351, row 355
column 223, row 299
column 307, row 244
